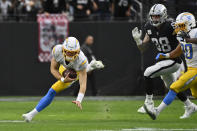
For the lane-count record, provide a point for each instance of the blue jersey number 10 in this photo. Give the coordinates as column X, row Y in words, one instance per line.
column 188, row 50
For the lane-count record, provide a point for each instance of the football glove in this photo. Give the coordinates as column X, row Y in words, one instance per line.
column 137, row 36
column 181, row 36
column 162, row 56
column 96, row 64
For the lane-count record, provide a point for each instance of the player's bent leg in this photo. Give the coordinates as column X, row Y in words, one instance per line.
column 43, row 103
column 154, row 112
column 185, row 82
column 168, row 79
column 46, row 100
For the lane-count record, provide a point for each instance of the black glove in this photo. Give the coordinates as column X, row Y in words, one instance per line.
column 182, row 35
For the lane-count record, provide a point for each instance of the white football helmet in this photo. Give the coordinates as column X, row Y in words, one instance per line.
column 184, row 22
column 160, row 12
column 71, row 48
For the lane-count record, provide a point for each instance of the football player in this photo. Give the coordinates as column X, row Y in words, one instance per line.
column 66, row 55
column 187, row 36
column 159, row 31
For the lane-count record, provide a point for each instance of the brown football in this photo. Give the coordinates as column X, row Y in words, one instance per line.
column 72, row 73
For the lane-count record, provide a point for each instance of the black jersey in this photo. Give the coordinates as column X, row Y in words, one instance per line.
column 163, row 38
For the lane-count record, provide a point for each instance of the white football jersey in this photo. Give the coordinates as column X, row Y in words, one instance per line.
column 190, row 50
column 78, row 64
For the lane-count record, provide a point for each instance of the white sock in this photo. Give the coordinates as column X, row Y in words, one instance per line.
column 149, row 97
column 161, row 107
column 33, row 112
column 187, row 102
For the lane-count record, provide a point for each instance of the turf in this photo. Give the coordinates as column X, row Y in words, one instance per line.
column 62, row 115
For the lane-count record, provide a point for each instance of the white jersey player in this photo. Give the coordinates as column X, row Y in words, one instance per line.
column 78, row 64
column 191, row 54
column 67, row 55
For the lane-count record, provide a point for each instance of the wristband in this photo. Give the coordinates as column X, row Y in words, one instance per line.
column 167, row 55
column 80, row 97
column 62, row 79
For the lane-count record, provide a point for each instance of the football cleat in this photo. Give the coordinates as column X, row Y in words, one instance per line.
column 141, row 110
column 27, row 117
column 149, row 103
column 189, row 110
column 151, row 111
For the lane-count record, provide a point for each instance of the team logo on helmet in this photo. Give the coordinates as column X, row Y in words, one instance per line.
column 184, row 22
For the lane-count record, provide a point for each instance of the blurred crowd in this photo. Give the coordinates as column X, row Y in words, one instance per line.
column 90, row 10
column 174, row 7
column 77, row 10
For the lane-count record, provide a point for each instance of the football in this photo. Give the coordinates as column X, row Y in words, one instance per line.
column 72, row 73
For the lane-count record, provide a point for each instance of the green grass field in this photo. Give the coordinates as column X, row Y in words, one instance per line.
column 96, row 115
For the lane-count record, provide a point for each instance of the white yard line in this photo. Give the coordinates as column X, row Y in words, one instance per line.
column 157, row 129
column 11, row 121
column 149, row 129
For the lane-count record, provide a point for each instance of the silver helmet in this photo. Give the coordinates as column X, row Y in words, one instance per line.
column 158, row 14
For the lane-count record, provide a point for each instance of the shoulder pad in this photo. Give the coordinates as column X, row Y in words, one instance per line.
column 57, row 51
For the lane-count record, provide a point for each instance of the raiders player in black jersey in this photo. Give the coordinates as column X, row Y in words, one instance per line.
column 160, row 32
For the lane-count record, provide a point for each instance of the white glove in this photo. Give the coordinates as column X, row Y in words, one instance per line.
column 96, row 64
column 137, row 36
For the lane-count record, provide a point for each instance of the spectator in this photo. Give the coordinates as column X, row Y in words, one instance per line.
column 86, row 48
column 55, row 6
column 81, row 9
column 102, row 9
column 186, row 6
column 4, row 7
column 122, row 9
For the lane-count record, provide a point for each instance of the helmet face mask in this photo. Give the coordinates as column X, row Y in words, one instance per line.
column 157, row 14
column 71, row 49
column 180, row 27
column 155, row 19
column 184, row 22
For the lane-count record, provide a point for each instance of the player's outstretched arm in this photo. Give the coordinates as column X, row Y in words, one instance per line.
column 176, row 52
column 173, row 54
column 82, row 90
column 184, row 36
column 136, row 33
